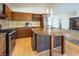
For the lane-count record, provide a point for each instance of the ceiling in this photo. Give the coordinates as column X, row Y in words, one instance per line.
column 30, row 7
column 57, row 8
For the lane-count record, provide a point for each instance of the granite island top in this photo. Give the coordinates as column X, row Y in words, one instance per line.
column 42, row 31
column 72, row 34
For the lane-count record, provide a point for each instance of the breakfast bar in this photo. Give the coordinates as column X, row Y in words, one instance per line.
column 50, row 35
column 46, row 39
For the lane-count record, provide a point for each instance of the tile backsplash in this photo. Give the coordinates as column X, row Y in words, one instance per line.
column 13, row 24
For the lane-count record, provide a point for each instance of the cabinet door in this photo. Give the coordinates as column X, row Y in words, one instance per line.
column 40, row 44
column 36, row 17
column 57, row 41
column 28, row 32
column 23, row 32
column 47, row 42
column 43, row 43
column 20, row 32
column 2, row 45
column 19, row 16
column 8, row 13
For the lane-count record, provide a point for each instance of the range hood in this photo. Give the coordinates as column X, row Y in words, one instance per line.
column 2, row 11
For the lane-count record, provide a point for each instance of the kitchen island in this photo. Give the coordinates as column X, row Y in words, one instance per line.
column 48, row 35
column 43, row 39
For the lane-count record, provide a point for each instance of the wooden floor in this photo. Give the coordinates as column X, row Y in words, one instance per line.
column 23, row 47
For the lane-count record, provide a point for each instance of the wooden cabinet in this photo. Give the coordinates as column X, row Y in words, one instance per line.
column 57, row 41
column 40, row 42
column 20, row 32
column 43, row 43
column 23, row 32
column 28, row 32
column 36, row 17
column 20, row 16
column 2, row 45
column 8, row 13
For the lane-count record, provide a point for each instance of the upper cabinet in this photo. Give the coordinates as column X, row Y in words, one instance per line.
column 20, row 16
column 8, row 13
column 2, row 15
column 36, row 17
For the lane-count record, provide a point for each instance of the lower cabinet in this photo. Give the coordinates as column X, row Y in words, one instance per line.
column 23, row 32
column 42, row 42
column 57, row 41
column 2, row 45
column 28, row 32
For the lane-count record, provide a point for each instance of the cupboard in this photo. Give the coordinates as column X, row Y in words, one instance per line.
column 8, row 13
column 23, row 32
column 20, row 16
column 2, row 45
column 36, row 17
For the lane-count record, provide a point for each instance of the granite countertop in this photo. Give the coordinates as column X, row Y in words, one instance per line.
column 42, row 31
column 71, row 35
column 62, row 32
column 2, row 34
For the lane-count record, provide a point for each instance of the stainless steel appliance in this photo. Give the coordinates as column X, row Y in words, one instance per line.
column 10, row 40
column 47, row 21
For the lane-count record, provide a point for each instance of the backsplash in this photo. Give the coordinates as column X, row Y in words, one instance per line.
column 3, row 23
column 13, row 24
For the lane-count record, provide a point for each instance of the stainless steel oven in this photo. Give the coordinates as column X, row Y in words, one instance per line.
column 11, row 42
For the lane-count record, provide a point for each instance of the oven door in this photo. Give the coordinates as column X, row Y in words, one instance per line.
column 11, row 43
